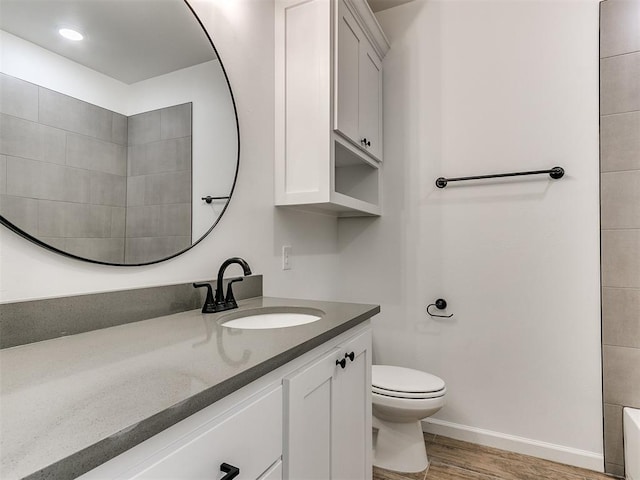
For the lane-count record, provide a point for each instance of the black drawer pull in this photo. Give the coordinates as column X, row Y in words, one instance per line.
column 350, row 356
column 230, row 470
column 342, row 363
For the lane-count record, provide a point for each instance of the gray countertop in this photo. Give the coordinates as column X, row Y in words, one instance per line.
column 71, row 403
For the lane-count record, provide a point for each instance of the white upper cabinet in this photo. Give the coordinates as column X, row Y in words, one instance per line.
column 328, row 99
column 358, row 107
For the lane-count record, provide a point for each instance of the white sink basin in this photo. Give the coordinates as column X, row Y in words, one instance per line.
column 271, row 317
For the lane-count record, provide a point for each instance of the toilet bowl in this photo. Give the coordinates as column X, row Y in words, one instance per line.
column 401, row 398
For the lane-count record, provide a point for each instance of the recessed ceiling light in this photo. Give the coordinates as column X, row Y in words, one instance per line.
column 71, row 34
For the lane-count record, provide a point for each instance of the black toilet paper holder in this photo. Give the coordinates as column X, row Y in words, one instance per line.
column 440, row 304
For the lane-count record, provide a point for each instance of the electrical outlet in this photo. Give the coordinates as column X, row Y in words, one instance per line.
column 286, row 257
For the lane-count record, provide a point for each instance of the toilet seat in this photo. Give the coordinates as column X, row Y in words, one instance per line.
column 400, row 382
column 408, row 395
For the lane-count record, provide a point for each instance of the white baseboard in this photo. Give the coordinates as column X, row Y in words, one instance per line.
column 526, row 446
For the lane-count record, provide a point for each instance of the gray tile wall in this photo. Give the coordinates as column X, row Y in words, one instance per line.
column 95, row 183
column 159, row 184
column 620, row 217
column 63, row 170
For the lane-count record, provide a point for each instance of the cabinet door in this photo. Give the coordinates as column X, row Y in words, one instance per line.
column 370, row 101
column 347, row 65
column 351, row 435
column 328, row 416
column 308, row 420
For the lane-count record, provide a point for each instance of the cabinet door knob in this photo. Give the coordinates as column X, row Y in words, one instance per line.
column 342, row 363
column 365, row 142
column 351, row 356
column 230, row 470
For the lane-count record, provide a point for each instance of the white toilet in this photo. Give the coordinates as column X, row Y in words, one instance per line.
column 401, row 398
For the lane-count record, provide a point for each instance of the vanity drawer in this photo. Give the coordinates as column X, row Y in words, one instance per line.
column 249, row 438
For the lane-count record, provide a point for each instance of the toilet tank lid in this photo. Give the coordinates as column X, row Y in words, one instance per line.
column 401, row 379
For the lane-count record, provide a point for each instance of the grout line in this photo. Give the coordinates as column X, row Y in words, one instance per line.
column 620, row 55
column 621, row 113
column 622, row 288
column 618, row 229
column 621, row 171
column 617, row 113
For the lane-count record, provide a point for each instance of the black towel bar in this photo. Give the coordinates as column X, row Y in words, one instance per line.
column 555, row 173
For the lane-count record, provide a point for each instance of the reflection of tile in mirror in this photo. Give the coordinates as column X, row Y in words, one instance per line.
column 135, row 190
column 70, row 220
column 88, row 221
column 144, row 128
column 119, row 129
column 22, row 212
column 107, row 189
column 18, row 98
column 68, row 113
column 51, row 219
column 140, row 250
column 163, row 156
column 118, row 221
column 165, row 188
column 21, row 138
column 54, row 242
column 109, row 250
column 3, row 174
column 175, row 121
column 159, row 220
column 29, row 178
column 95, row 154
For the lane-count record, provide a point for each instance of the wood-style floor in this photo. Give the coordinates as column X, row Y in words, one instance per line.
column 456, row 460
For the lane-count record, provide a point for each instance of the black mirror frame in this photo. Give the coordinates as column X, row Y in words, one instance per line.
column 35, row 240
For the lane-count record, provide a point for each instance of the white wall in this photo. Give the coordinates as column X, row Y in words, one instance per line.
column 473, row 87
column 252, row 228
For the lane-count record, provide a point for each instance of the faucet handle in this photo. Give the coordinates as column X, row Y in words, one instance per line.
column 209, row 305
column 229, row 299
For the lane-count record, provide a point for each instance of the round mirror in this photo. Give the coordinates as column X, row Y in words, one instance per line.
column 119, row 137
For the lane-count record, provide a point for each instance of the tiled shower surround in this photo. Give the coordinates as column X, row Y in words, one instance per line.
column 158, row 184
column 65, row 166
column 620, row 217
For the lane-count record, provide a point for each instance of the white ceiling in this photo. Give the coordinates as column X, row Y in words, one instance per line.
column 129, row 40
column 377, row 5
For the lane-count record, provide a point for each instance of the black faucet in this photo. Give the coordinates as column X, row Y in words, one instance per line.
column 209, row 305
column 229, row 302
column 222, row 302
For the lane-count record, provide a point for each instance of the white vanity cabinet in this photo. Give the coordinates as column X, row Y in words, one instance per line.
column 308, row 419
column 247, row 437
column 328, row 98
column 328, row 415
